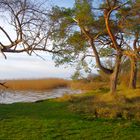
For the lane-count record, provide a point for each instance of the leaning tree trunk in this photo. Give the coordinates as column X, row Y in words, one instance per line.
column 133, row 73
column 115, row 74
column 97, row 58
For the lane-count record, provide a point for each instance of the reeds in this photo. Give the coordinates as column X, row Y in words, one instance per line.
column 37, row 84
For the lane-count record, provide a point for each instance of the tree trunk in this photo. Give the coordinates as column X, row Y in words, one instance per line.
column 115, row 74
column 133, row 73
column 97, row 58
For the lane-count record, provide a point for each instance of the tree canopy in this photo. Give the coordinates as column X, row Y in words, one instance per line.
column 103, row 31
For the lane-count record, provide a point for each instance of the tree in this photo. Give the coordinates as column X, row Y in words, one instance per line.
column 29, row 21
column 80, row 30
column 84, row 29
column 130, row 25
column 31, row 27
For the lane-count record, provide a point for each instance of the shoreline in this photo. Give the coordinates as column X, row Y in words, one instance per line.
column 10, row 97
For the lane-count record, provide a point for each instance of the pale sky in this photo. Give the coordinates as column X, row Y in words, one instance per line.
column 19, row 66
column 63, row 3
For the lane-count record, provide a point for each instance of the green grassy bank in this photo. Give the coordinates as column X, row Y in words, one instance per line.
column 62, row 119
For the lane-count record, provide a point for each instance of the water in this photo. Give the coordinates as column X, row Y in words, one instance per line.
column 9, row 97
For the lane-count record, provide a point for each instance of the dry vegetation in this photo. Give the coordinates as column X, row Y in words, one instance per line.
column 102, row 81
column 91, row 83
column 99, row 103
column 39, row 84
column 125, row 78
column 83, row 85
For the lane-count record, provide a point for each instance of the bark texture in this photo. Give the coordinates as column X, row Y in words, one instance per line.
column 115, row 74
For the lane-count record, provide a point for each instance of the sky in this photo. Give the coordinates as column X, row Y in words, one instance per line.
column 63, row 3
column 22, row 66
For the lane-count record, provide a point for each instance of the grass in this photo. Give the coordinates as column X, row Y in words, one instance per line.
column 65, row 118
column 95, row 115
column 38, row 84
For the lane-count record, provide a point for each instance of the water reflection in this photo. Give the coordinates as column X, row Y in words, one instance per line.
column 8, row 97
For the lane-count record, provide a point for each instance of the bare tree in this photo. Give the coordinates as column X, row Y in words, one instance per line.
column 28, row 20
column 31, row 27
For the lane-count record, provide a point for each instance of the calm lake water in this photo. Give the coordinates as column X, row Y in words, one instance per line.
column 8, row 97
